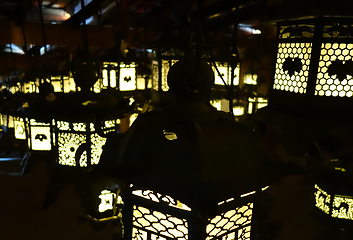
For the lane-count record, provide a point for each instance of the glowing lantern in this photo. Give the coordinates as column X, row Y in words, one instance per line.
column 7, row 120
column 313, row 56
column 333, row 195
column 256, row 103
column 20, row 128
column 223, row 105
column 226, row 72
column 81, row 140
column 29, row 87
column 62, row 83
column 160, row 216
column 121, row 76
column 41, row 135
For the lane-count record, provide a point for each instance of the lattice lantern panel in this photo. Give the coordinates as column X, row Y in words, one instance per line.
column 292, row 67
column 20, row 128
column 225, row 71
column 41, row 135
column 158, row 216
column 334, row 77
column 314, row 59
column 72, row 136
column 334, row 205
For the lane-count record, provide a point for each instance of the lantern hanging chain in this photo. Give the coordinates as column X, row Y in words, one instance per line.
column 43, row 33
column 235, row 60
column 85, row 39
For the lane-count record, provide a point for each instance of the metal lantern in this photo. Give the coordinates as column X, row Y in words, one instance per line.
column 177, row 190
column 20, row 128
column 121, row 76
column 80, row 139
column 311, row 73
column 41, row 135
column 62, row 83
column 226, row 72
column 160, row 216
column 29, row 87
column 333, row 196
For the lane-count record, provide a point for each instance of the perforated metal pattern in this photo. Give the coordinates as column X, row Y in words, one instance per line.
column 20, row 128
column 97, row 143
column 40, row 136
column 160, row 224
column 231, row 221
column 157, row 197
column 342, row 207
column 67, row 146
column 292, row 67
column 335, row 72
column 322, row 199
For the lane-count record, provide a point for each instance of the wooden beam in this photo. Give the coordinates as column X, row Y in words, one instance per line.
column 56, row 34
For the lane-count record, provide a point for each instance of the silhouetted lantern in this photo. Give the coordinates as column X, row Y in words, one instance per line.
column 121, row 76
column 41, row 135
column 187, row 187
column 225, row 70
column 62, row 83
column 81, row 140
column 29, row 87
column 20, row 128
column 333, row 193
column 313, row 58
column 256, row 103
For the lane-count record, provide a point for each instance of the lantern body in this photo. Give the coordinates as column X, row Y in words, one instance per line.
column 158, row 216
column 29, row 87
column 62, row 83
column 20, row 128
column 256, row 103
column 7, row 120
column 73, row 135
column 41, row 135
column 313, row 58
column 226, row 72
column 121, row 76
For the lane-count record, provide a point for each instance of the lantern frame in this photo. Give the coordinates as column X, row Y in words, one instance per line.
column 142, row 207
column 308, row 84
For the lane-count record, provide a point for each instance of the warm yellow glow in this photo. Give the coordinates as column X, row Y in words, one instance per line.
column 331, row 86
column 217, row 103
column 112, row 78
column 342, row 207
column 297, row 82
column 40, row 135
column 226, row 72
column 250, row 79
column 20, row 128
column 170, row 135
column 71, row 137
column 166, row 64
column 156, row 197
column 247, row 194
column 57, row 86
column 238, row 110
column 140, row 82
column 265, row 188
column 29, row 87
column 231, row 221
column 133, row 118
column 127, row 78
column 107, row 201
column 105, row 77
column 256, row 103
column 322, row 199
column 163, row 225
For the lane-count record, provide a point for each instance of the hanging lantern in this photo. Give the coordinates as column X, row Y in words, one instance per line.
column 41, row 135
column 80, row 139
column 62, row 83
column 333, row 195
column 226, row 72
column 177, row 190
column 256, row 103
column 20, row 128
column 313, row 56
column 160, row 216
